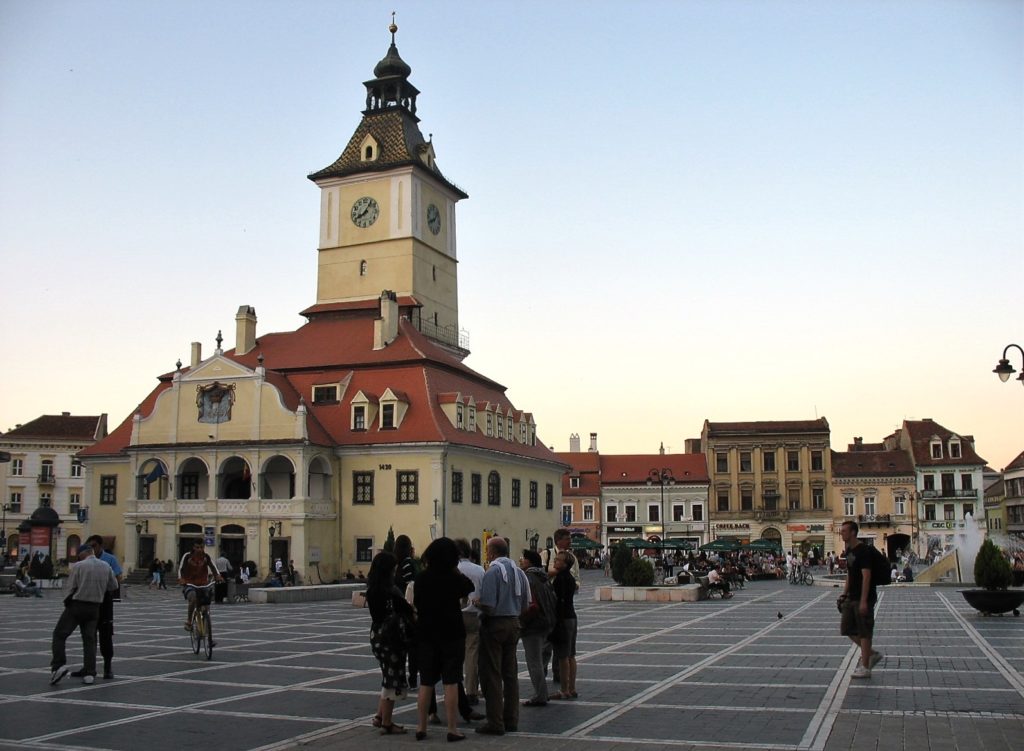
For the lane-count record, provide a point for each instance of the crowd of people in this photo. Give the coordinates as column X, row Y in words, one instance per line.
column 444, row 618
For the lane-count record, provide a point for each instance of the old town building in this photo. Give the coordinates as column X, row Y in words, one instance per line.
column 44, row 473
column 876, row 488
column 1013, row 500
column 311, row 444
column 949, row 480
column 769, row 480
column 581, row 489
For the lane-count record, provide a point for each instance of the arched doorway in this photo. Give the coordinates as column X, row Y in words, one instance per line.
column 232, row 542
column 278, row 478
column 187, row 534
column 235, row 479
column 895, row 544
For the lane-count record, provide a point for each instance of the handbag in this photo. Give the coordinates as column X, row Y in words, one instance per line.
column 396, row 629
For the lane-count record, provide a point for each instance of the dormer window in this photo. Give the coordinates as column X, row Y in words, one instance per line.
column 325, row 394
column 460, row 417
column 501, row 427
column 364, row 410
column 574, row 482
column 936, row 448
column 954, row 448
column 472, row 419
column 490, row 424
column 369, row 149
column 511, row 434
column 362, row 268
column 393, row 405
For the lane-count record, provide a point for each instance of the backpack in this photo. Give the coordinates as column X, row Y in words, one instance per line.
column 545, row 597
column 880, row 568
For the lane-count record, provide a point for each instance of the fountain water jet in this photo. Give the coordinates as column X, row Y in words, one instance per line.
column 968, row 543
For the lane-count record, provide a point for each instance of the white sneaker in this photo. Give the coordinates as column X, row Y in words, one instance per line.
column 876, row 657
column 88, row 679
column 861, row 672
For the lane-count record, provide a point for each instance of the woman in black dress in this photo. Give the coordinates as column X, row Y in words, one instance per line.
column 384, row 599
column 440, row 631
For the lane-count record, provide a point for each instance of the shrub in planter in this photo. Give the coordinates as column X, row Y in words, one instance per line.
column 991, row 569
column 639, row 573
column 621, row 557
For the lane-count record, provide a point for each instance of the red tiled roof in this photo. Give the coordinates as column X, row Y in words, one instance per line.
column 633, row 469
column 339, row 348
column 921, row 432
column 581, row 461
column 861, row 463
column 121, row 436
column 716, row 429
column 61, row 427
column 1017, row 463
column 371, row 305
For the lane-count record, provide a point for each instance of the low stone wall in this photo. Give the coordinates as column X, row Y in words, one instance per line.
column 273, row 595
column 682, row 593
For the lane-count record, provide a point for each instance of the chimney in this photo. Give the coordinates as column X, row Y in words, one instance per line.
column 574, row 443
column 661, row 449
column 245, row 329
column 385, row 328
column 593, row 442
column 691, row 446
column 197, row 353
column 65, row 414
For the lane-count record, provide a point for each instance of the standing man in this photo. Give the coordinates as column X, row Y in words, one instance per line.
column 504, row 596
column 90, row 580
column 471, row 620
column 105, row 626
column 857, row 603
column 562, row 540
column 220, row 590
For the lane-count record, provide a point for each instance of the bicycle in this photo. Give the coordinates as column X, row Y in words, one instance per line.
column 801, row 575
column 201, row 633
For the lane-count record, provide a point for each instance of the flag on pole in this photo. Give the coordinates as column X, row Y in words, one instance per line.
column 156, row 474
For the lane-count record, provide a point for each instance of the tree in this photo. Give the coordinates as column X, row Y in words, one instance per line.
column 991, row 569
column 621, row 556
column 389, row 542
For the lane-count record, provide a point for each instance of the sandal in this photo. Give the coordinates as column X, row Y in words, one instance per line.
column 534, row 703
column 558, row 696
column 376, row 721
column 392, row 729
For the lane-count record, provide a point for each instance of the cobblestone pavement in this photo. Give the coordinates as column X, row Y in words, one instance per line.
column 716, row 674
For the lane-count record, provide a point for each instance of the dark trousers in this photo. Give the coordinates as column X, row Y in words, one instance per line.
column 546, row 654
column 499, row 670
column 83, row 616
column 105, row 630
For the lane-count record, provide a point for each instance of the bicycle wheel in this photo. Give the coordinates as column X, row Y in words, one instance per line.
column 194, row 635
column 808, row 579
column 208, row 629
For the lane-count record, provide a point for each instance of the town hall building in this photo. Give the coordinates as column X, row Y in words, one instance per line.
column 310, row 445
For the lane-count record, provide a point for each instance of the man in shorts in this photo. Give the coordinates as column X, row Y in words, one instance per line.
column 195, row 568
column 857, row 603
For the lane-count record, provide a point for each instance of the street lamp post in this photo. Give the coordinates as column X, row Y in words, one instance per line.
column 3, row 530
column 1004, row 370
column 661, row 477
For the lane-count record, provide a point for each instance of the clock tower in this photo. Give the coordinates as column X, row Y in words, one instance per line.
column 387, row 213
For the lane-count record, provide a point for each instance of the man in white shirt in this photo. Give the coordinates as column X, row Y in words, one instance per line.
column 471, row 619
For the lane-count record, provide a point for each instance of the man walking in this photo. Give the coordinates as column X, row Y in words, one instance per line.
column 220, row 589
column 90, row 580
column 857, row 603
column 504, row 596
column 105, row 625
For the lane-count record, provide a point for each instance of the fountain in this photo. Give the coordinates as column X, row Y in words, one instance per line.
column 968, row 543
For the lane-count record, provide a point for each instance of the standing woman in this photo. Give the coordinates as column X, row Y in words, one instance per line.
column 440, row 631
column 384, row 598
column 564, row 636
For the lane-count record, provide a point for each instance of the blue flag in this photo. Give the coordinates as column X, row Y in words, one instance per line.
column 156, row 474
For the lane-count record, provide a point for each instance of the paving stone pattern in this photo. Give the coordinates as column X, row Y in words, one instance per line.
column 708, row 675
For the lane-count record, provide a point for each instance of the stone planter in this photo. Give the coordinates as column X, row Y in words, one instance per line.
column 990, row 601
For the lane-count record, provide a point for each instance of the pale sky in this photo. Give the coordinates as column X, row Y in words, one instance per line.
column 678, row 210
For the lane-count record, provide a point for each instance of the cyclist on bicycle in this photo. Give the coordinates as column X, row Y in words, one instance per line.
column 195, row 569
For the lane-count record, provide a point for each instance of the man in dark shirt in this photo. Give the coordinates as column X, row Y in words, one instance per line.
column 857, row 603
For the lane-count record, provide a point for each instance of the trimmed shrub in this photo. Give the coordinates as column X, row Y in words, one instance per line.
column 621, row 556
column 991, row 569
column 639, row 573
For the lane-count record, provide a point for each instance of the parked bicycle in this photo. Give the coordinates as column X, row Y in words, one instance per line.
column 801, row 575
column 201, row 633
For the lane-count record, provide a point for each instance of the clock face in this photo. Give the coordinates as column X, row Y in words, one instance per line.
column 434, row 218
column 365, row 211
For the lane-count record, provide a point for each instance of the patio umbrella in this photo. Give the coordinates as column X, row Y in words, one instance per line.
column 767, row 546
column 676, row 545
column 636, row 543
column 721, row 545
column 585, row 543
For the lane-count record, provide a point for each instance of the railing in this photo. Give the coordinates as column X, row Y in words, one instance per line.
column 949, row 493
column 47, row 478
column 447, row 334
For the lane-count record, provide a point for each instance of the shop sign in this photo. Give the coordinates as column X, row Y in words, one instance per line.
column 733, row 525
column 805, row 527
column 945, row 525
column 624, row 530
